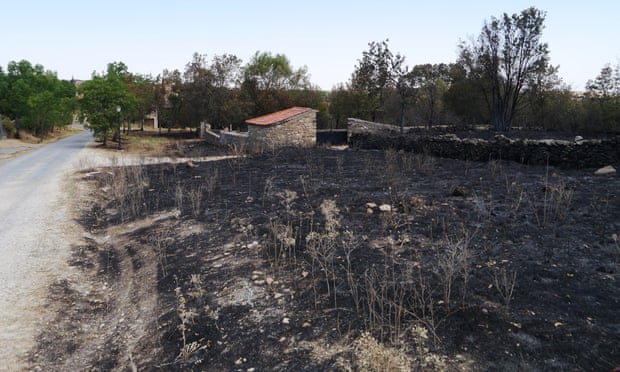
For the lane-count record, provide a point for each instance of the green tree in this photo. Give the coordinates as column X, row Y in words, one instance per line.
column 346, row 102
column 168, row 99
column 507, row 53
column 21, row 78
column 268, row 81
column 227, row 108
column 271, row 72
column 4, row 91
column 603, row 100
column 144, row 89
column 407, row 92
column 431, row 81
column 605, row 84
column 197, row 90
column 36, row 99
column 464, row 98
column 100, row 97
column 376, row 74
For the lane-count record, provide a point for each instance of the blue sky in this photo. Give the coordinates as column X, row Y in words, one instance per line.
column 75, row 38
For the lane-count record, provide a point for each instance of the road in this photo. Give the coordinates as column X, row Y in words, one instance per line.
column 36, row 234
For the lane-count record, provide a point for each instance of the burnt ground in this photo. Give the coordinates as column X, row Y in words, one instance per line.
column 326, row 259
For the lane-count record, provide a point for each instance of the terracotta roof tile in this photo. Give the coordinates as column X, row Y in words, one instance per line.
column 279, row 116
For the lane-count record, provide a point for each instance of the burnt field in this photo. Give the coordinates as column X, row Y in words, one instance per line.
column 325, row 259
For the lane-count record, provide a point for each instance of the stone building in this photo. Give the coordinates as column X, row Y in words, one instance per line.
column 295, row 126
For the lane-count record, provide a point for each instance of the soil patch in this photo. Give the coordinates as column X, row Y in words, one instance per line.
column 323, row 259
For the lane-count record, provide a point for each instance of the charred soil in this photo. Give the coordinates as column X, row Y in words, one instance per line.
column 326, row 259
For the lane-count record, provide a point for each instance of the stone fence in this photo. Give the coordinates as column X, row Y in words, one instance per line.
column 578, row 153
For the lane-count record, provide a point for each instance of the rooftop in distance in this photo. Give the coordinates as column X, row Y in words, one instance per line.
column 278, row 116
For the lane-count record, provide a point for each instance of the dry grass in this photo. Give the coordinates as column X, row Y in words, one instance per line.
column 370, row 355
column 150, row 145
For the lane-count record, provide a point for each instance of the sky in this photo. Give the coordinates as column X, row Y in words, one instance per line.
column 75, row 38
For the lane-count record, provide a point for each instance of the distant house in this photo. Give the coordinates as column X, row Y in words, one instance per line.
column 295, row 126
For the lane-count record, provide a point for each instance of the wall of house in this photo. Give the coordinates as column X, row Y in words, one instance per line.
column 299, row 132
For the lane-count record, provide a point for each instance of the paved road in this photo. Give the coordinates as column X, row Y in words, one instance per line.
column 36, row 233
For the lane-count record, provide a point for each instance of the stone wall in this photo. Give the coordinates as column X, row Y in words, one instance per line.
column 238, row 140
column 589, row 153
column 299, row 131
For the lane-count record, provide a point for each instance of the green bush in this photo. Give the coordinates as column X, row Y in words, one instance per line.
column 9, row 126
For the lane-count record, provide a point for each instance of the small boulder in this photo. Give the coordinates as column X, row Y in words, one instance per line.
column 385, row 208
column 606, row 170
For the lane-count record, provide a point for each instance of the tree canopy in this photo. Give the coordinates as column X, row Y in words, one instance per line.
column 376, row 73
column 35, row 98
column 100, row 98
column 507, row 54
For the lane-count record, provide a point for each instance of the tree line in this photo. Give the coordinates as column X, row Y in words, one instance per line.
column 34, row 99
column 502, row 78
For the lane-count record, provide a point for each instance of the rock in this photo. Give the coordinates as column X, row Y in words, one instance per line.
column 371, row 205
column 191, row 164
column 385, row 208
column 606, row 170
column 286, row 321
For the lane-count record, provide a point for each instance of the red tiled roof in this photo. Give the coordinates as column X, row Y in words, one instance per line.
column 279, row 116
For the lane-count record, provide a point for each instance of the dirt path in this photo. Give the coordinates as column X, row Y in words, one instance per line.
column 36, row 232
column 40, row 194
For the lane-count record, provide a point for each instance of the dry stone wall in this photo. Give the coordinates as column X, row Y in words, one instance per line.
column 588, row 153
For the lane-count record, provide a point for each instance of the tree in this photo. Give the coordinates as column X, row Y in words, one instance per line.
column 376, row 73
column 605, row 84
column 100, row 97
column 432, row 82
column 271, row 72
column 143, row 89
column 51, row 104
column 603, row 100
column 4, row 91
column 168, row 98
column 344, row 103
column 227, row 106
column 197, row 91
column 507, row 54
column 464, row 98
column 268, row 80
column 21, row 77
column 36, row 99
